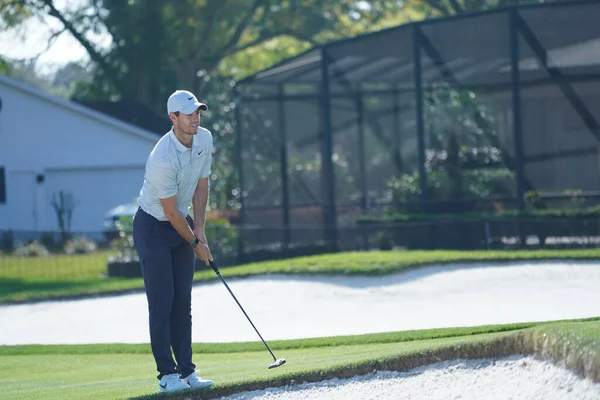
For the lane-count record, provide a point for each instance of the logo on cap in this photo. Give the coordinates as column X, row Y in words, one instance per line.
column 184, row 102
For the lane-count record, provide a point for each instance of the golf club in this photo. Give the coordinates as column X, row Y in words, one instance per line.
column 276, row 363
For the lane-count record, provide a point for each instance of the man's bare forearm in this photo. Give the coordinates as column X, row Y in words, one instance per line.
column 200, row 201
column 181, row 225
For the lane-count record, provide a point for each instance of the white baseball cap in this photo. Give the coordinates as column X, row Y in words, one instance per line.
column 184, row 102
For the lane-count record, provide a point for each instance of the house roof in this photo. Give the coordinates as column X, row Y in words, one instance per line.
column 132, row 112
column 80, row 109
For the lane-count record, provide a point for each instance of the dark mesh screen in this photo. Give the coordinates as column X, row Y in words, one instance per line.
column 559, row 67
column 261, row 153
column 468, row 116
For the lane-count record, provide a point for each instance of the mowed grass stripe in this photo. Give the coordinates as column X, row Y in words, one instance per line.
column 56, row 266
column 118, row 376
column 208, row 348
column 82, row 275
column 386, row 262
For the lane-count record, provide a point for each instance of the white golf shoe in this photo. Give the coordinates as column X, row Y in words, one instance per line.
column 172, row 383
column 195, row 382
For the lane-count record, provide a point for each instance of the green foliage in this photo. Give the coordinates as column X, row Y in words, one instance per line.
column 465, row 158
column 437, row 8
column 124, row 242
column 575, row 196
column 5, row 67
column 474, row 184
column 158, row 46
column 219, row 119
column 533, row 200
column 14, row 13
column 535, row 213
column 574, row 200
column 261, row 56
column 464, row 116
column 221, row 235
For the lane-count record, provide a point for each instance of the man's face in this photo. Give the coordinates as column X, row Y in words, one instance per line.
column 187, row 123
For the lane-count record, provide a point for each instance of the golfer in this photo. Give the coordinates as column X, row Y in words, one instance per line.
column 166, row 238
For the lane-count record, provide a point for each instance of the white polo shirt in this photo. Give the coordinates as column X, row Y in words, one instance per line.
column 173, row 169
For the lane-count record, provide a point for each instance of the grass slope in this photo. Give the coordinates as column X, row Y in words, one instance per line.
column 257, row 346
column 575, row 345
column 123, row 371
column 82, row 275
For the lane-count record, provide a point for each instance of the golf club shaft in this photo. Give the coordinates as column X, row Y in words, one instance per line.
column 214, row 267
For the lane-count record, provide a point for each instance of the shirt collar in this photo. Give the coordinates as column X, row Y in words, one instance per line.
column 178, row 145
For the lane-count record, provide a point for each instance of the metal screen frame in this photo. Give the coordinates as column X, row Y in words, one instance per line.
column 317, row 62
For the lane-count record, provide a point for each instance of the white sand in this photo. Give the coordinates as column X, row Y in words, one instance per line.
column 522, row 378
column 285, row 307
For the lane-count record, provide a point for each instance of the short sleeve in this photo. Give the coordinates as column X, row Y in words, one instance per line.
column 162, row 178
column 205, row 173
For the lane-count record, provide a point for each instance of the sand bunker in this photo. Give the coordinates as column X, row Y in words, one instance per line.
column 287, row 307
column 523, row 378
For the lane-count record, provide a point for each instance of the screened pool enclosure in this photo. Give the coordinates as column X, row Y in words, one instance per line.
column 475, row 112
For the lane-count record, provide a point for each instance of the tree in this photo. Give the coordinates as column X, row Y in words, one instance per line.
column 157, row 45
column 452, row 7
column 14, row 13
column 5, row 67
column 64, row 204
column 11, row 15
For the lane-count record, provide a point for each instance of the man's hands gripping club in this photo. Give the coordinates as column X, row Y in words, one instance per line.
column 202, row 250
column 182, row 227
column 199, row 203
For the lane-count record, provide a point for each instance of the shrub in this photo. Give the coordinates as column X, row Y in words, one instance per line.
column 221, row 236
column 473, row 184
column 33, row 249
column 124, row 242
column 79, row 245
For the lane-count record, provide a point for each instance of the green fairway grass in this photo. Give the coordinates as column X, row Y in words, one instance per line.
column 30, row 279
column 124, row 371
column 55, row 266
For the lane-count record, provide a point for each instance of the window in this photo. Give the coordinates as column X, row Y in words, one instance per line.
column 2, row 186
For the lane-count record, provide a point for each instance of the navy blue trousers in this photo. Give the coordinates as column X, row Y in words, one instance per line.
column 167, row 263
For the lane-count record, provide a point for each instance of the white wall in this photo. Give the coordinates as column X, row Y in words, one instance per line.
column 110, row 187
column 98, row 159
column 36, row 133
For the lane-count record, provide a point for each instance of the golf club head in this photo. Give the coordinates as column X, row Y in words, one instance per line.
column 277, row 363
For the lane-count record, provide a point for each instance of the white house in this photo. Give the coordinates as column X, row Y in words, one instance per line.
column 48, row 144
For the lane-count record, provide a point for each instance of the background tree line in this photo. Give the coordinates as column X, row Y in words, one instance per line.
column 202, row 46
